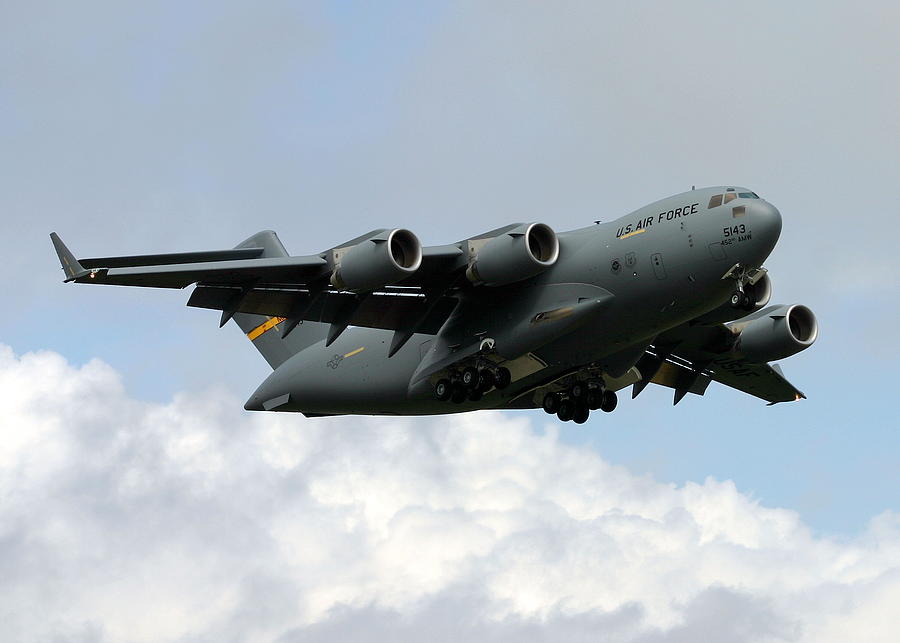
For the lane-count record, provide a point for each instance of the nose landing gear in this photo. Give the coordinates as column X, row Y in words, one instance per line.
column 745, row 279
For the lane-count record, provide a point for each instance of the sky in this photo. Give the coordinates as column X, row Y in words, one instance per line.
column 130, row 476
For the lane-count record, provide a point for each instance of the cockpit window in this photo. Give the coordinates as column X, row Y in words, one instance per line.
column 716, row 201
column 730, row 196
column 747, row 195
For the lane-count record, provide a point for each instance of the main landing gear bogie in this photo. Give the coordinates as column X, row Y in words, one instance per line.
column 578, row 401
column 471, row 383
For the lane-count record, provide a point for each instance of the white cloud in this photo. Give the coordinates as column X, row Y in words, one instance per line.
column 122, row 520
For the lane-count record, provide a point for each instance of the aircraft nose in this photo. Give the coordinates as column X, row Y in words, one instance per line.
column 766, row 222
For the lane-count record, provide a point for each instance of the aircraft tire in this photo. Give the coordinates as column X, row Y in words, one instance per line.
column 594, row 399
column 459, row 393
column 737, row 299
column 470, row 378
column 566, row 410
column 581, row 415
column 551, row 403
column 485, row 380
column 502, row 377
column 609, row 402
column 443, row 390
column 578, row 390
column 475, row 394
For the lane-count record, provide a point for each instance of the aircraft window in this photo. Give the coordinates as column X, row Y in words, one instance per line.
column 716, row 201
column 730, row 196
column 747, row 195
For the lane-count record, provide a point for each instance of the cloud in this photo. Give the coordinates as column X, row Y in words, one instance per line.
column 195, row 521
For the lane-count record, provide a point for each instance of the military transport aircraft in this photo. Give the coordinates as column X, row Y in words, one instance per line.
column 516, row 318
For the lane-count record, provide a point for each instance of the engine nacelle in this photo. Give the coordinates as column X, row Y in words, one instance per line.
column 760, row 293
column 379, row 261
column 513, row 256
column 776, row 333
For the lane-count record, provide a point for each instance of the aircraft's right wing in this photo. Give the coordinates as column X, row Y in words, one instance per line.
column 688, row 358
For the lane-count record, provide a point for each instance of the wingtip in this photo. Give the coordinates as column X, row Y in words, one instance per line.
column 67, row 260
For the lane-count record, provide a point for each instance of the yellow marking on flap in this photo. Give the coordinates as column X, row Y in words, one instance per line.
column 269, row 324
column 352, row 353
column 631, row 234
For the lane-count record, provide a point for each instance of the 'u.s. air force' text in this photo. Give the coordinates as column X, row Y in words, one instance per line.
column 647, row 221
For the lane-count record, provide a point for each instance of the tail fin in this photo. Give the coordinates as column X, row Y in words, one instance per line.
column 264, row 331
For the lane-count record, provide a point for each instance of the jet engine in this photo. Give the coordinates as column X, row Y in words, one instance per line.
column 776, row 333
column 760, row 293
column 381, row 260
column 515, row 255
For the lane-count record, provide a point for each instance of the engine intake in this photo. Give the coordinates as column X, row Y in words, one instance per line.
column 513, row 256
column 384, row 259
column 776, row 333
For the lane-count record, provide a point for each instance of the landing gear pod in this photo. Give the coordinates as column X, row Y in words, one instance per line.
column 513, row 256
column 382, row 260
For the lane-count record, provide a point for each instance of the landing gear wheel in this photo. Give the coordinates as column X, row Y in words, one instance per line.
column 475, row 394
column 578, row 390
column 581, row 415
column 747, row 302
column 551, row 403
column 485, row 381
column 469, row 377
column 594, row 399
column 566, row 410
column 608, row 405
column 443, row 390
column 502, row 377
column 737, row 299
column 459, row 393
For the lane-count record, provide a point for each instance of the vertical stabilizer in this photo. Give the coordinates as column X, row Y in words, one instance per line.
column 265, row 332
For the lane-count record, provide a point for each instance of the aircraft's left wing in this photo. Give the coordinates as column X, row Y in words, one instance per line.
column 292, row 289
column 177, row 270
column 688, row 358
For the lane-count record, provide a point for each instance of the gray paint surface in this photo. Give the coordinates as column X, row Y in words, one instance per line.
column 591, row 315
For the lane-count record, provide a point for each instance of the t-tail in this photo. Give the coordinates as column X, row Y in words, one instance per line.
column 266, row 332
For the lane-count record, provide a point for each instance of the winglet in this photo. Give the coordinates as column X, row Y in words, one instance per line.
column 69, row 263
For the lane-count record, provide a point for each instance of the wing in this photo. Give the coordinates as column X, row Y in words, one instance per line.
column 353, row 283
column 249, row 279
column 689, row 357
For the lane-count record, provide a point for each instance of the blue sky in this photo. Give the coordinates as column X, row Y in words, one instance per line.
column 176, row 127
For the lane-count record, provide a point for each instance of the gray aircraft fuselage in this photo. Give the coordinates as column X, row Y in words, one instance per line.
column 662, row 264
